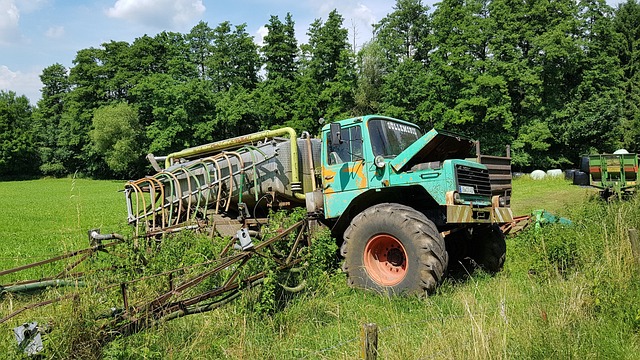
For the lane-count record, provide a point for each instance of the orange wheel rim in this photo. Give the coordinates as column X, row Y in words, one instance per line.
column 385, row 260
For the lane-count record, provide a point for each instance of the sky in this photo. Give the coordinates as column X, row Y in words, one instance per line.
column 35, row 34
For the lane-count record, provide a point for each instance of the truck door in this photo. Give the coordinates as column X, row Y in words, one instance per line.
column 344, row 175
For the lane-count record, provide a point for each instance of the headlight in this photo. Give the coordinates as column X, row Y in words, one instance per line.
column 379, row 162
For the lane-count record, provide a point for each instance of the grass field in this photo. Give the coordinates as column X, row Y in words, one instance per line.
column 42, row 218
column 554, row 195
column 565, row 292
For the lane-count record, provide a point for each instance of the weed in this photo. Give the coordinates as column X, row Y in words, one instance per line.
column 566, row 292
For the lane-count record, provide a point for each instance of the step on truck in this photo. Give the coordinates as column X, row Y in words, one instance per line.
column 401, row 203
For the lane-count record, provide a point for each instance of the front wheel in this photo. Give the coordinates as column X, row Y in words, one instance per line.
column 488, row 247
column 392, row 248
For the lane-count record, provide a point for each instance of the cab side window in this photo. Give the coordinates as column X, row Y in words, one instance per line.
column 349, row 150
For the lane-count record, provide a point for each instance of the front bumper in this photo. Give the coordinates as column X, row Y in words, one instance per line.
column 467, row 214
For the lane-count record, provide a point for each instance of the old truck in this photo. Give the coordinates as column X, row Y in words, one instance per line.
column 401, row 204
column 615, row 175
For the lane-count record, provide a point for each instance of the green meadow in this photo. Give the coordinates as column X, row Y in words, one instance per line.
column 565, row 292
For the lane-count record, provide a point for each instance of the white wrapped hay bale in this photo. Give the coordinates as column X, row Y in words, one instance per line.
column 554, row 173
column 538, row 174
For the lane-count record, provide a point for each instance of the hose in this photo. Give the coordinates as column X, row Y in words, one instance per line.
column 299, row 287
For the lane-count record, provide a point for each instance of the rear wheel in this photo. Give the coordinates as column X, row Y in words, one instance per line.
column 488, row 247
column 393, row 248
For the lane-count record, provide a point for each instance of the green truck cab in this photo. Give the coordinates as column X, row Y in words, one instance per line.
column 403, row 200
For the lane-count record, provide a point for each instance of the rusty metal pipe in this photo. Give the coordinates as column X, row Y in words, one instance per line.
column 57, row 258
column 40, row 285
column 310, row 157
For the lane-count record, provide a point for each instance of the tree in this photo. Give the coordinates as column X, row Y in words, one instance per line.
column 162, row 113
column 327, row 49
column 370, row 67
column 18, row 153
column 234, row 59
column 280, row 49
column 403, row 39
column 116, row 135
column 178, row 60
column 404, row 90
column 627, row 25
column 328, row 79
column 531, row 147
column 472, row 96
column 120, row 68
column 47, row 118
column 87, row 79
column 592, row 119
column 535, row 50
column 200, row 40
column 274, row 97
column 90, row 90
column 404, row 33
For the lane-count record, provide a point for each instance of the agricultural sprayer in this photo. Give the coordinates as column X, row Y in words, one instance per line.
column 402, row 206
column 615, row 175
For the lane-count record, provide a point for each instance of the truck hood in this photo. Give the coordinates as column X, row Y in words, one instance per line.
column 436, row 145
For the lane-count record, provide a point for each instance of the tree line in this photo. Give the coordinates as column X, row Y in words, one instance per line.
column 553, row 79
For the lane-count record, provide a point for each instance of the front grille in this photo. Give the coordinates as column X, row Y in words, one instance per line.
column 470, row 177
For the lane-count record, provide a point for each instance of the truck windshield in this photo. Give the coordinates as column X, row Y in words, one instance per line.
column 389, row 138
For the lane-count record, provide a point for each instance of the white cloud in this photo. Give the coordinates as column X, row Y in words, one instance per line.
column 162, row 14
column 9, row 20
column 27, row 84
column 260, row 34
column 356, row 15
column 55, row 32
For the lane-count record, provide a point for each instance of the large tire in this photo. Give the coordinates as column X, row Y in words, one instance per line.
column 394, row 249
column 457, row 244
column 580, row 178
column 488, row 247
column 569, row 174
column 584, row 164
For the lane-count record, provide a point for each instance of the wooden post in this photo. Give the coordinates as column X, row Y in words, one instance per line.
column 125, row 298
column 370, row 341
column 635, row 245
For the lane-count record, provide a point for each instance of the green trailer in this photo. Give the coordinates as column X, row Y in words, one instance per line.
column 614, row 174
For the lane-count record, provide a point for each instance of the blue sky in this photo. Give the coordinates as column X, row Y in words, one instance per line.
column 37, row 33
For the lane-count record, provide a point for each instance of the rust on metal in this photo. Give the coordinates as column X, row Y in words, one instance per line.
column 144, row 315
column 173, row 303
column 518, row 224
column 58, row 258
column 185, row 194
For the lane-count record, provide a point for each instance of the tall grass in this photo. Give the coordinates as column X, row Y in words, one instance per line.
column 565, row 292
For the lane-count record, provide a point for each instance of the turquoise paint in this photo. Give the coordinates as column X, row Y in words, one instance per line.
column 343, row 187
column 404, row 157
column 336, row 203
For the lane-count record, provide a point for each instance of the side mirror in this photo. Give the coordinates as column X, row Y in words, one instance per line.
column 336, row 136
